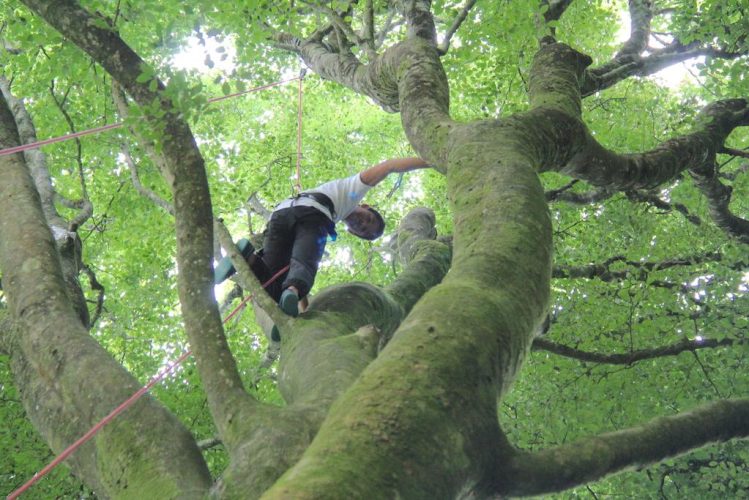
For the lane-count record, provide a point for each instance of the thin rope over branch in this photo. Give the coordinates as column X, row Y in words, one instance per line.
column 111, row 126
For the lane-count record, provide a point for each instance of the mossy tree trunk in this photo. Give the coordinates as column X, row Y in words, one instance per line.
column 67, row 381
column 418, row 418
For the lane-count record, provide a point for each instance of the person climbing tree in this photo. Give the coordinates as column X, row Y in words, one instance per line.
column 299, row 228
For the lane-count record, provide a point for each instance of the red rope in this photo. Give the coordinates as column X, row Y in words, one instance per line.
column 67, row 137
column 125, row 405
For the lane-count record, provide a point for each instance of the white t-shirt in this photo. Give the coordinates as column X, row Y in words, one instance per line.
column 345, row 194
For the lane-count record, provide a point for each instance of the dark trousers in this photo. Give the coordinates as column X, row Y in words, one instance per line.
column 296, row 237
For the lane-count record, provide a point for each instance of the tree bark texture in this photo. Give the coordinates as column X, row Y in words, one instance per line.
column 68, row 382
column 193, row 214
column 390, row 392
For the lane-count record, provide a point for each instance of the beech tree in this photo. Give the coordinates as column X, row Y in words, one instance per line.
column 582, row 311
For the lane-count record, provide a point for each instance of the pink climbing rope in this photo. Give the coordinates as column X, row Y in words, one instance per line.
column 96, row 130
column 52, row 140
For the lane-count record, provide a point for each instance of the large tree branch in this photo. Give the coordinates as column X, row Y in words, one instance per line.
column 589, row 459
column 67, row 240
column 636, row 57
column 35, row 158
column 64, row 374
column 459, row 355
column 368, row 27
column 640, row 15
column 425, row 260
column 628, row 65
column 695, row 152
column 686, row 345
column 419, row 19
column 194, row 218
column 408, row 77
column 342, row 327
column 605, row 168
column 718, row 199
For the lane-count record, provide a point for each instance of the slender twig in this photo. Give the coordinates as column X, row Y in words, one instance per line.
column 661, row 204
column 71, row 125
column 552, row 194
column 389, row 26
column 706, row 374
column 686, row 345
column 735, row 152
column 95, row 285
column 144, row 191
column 338, row 21
column 84, row 205
column 445, row 45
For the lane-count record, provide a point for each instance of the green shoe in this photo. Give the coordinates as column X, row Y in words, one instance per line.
column 225, row 269
column 289, row 303
column 275, row 335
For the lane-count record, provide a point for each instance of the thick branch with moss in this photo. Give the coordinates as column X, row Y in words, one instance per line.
column 66, row 238
column 637, row 58
column 407, row 77
column 419, row 19
column 718, row 199
column 609, row 74
column 640, row 15
column 342, row 328
column 194, row 218
column 589, row 459
column 601, row 167
column 67, row 379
